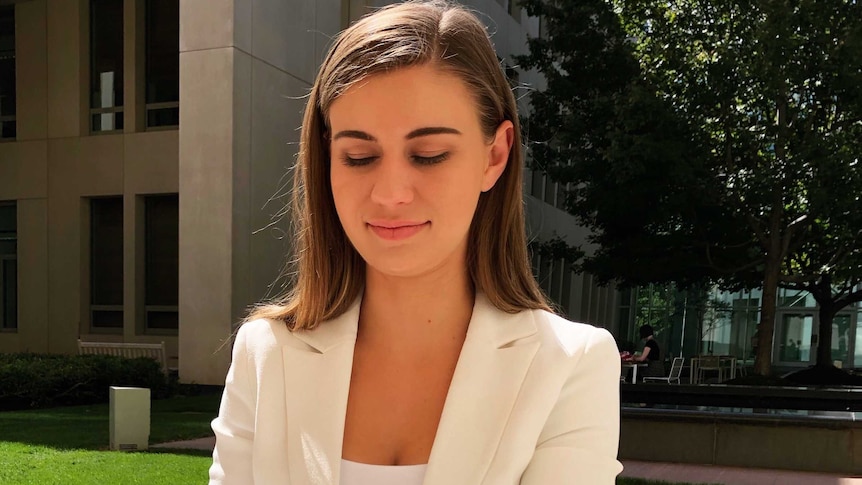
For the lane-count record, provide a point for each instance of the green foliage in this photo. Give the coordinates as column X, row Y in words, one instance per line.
column 707, row 141
column 36, row 381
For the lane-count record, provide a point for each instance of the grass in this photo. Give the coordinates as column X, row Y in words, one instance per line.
column 70, row 445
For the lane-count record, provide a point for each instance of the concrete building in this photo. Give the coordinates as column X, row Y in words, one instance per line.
column 145, row 165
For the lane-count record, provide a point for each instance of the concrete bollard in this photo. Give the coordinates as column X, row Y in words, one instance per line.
column 129, row 418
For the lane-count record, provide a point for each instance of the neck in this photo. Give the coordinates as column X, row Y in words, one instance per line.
column 426, row 310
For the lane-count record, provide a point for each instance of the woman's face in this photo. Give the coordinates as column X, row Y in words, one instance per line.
column 408, row 162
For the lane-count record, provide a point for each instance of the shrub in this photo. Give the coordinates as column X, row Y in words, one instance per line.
column 40, row 380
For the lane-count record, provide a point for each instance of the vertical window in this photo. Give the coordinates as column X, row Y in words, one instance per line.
column 162, row 251
column 7, row 72
column 163, row 63
column 106, row 65
column 513, row 7
column 106, row 262
column 8, row 267
column 566, row 293
column 537, row 187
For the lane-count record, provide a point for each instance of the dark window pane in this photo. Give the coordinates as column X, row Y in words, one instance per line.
column 8, row 265
column 107, row 318
column 565, row 299
column 8, row 220
column 550, row 192
column 106, row 53
column 162, row 250
column 556, row 280
column 163, row 51
column 9, row 296
column 7, row 71
column 8, row 129
column 107, row 122
column 106, row 251
column 163, row 320
column 163, row 117
column 537, row 185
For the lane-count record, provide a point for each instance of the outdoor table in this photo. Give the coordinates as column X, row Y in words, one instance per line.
column 728, row 360
column 634, row 367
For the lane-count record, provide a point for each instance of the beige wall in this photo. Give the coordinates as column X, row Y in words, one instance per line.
column 52, row 169
column 241, row 89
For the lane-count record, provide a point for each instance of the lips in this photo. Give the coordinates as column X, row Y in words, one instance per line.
column 397, row 230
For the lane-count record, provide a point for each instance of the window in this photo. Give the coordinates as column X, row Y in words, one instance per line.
column 163, row 63
column 162, row 252
column 513, row 7
column 7, row 72
column 537, row 186
column 106, row 263
column 8, row 267
column 106, row 65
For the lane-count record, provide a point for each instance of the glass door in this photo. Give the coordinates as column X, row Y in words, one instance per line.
column 793, row 343
column 842, row 334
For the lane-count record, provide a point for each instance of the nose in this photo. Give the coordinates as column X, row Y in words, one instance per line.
column 393, row 183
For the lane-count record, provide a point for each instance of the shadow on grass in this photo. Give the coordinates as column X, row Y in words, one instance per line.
column 178, row 451
column 87, row 427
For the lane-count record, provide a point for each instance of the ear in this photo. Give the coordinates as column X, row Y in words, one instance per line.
column 498, row 154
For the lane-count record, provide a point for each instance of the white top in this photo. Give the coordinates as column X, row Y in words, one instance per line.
column 353, row 473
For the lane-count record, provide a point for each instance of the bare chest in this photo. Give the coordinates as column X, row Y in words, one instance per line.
column 394, row 406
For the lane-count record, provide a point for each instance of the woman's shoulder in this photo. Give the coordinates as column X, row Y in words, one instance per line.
column 571, row 338
column 263, row 334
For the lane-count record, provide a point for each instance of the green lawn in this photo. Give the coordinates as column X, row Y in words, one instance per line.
column 68, row 446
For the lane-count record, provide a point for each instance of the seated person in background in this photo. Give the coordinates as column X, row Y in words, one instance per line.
column 651, row 354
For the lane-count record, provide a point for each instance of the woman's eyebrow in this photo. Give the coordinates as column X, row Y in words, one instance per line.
column 431, row 130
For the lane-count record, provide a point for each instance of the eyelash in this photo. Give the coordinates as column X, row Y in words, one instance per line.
column 427, row 161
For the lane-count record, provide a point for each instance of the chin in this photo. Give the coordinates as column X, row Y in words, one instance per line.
column 397, row 269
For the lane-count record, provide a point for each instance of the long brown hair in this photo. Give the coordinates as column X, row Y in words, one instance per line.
column 330, row 274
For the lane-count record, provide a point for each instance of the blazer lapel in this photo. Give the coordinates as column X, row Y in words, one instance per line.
column 487, row 380
column 317, row 379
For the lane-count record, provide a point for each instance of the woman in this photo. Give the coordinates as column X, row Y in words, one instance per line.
column 416, row 346
column 651, row 353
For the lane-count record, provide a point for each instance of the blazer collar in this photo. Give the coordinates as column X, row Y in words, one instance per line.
column 493, row 363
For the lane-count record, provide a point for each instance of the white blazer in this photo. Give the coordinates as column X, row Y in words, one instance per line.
column 534, row 401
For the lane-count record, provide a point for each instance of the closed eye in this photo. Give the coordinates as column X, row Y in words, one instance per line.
column 357, row 162
column 431, row 160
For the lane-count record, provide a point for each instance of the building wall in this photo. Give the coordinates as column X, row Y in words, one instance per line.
column 242, row 91
column 56, row 165
column 245, row 68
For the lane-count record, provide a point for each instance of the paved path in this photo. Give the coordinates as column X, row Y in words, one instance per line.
column 678, row 472
column 671, row 472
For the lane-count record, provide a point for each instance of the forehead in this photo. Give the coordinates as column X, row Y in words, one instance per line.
column 405, row 99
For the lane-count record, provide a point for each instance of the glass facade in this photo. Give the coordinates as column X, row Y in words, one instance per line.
column 712, row 322
column 7, row 73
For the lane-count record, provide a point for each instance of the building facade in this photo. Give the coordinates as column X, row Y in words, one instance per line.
column 146, row 149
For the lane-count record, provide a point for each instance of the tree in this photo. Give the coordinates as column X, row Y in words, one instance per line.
column 718, row 155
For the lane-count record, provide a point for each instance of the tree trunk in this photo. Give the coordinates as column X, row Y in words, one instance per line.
column 824, row 342
column 766, row 328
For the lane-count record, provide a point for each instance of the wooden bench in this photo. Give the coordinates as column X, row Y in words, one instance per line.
column 127, row 350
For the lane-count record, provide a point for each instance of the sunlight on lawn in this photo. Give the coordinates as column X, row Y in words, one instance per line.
column 68, row 446
column 38, row 465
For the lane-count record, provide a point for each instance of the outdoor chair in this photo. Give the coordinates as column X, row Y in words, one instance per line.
column 709, row 363
column 673, row 376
